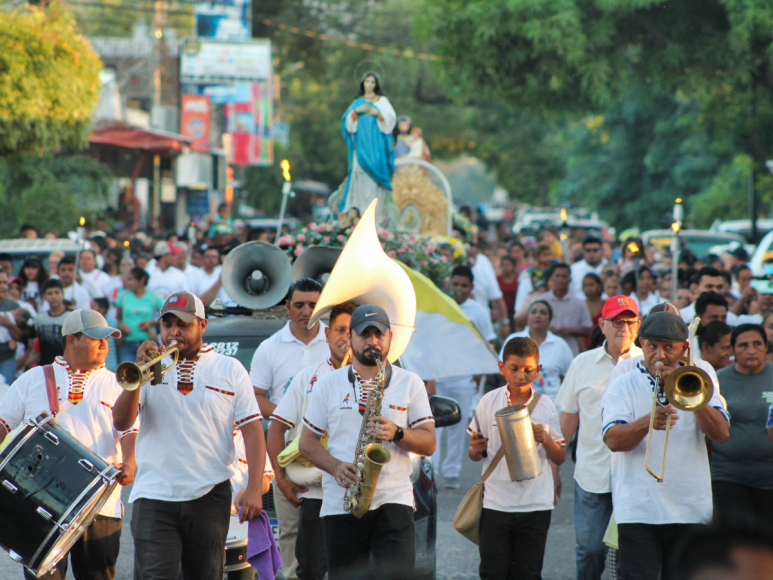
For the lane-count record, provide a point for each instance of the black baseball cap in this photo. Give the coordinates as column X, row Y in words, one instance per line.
column 369, row 315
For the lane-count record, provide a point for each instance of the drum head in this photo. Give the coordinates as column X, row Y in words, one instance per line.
column 75, row 529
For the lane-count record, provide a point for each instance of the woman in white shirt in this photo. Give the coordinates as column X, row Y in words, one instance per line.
column 555, row 355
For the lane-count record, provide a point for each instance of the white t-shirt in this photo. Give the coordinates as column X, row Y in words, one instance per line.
column 334, row 409
column 166, row 282
column 502, row 494
column 555, row 356
column 292, row 408
column 240, row 467
column 579, row 271
column 636, row 495
column 98, row 279
column 186, row 444
column 205, row 281
column 646, row 304
column 5, row 334
column 90, row 421
column 192, row 276
column 581, row 392
column 485, row 284
column 280, row 356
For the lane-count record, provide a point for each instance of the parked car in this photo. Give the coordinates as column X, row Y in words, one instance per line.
column 699, row 242
column 743, row 227
column 240, row 336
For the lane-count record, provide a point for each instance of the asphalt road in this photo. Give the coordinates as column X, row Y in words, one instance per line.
column 457, row 557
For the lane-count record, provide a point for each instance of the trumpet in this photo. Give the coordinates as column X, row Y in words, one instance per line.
column 131, row 376
column 687, row 388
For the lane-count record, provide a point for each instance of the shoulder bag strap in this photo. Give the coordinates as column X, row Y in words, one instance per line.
column 498, row 456
column 53, row 399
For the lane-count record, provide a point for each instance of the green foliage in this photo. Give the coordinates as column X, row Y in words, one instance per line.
column 49, row 192
column 49, row 81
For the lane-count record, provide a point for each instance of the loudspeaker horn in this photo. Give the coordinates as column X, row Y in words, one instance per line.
column 256, row 275
column 316, row 263
column 366, row 275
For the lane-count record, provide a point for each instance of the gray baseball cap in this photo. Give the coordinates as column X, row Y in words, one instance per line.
column 369, row 315
column 89, row 322
column 184, row 306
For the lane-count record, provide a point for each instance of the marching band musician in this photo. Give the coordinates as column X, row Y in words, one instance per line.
column 285, row 421
column 652, row 515
column 86, row 392
column 386, row 532
column 182, row 495
column 516, row 514
column 294, row 347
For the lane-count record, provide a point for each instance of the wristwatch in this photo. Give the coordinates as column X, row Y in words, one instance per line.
column 399, row 434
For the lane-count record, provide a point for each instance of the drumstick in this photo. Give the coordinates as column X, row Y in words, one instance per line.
column 475, row 418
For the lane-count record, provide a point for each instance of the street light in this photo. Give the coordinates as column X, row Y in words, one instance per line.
column 287, row 191
column 676, row 227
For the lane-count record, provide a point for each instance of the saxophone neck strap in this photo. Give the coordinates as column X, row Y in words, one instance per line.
column 387, row 374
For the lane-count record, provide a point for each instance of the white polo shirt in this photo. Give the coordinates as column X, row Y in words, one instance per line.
column 90, row 421
column 98, row 279
column 485, row 284
column 240, row 467
column 280, row 356
column 166, row 282
column 334, row 409
column 636, row 495
column 292, row 408
column 581, row 392
column 186, row 444
column 555, row 356
column 502, row 494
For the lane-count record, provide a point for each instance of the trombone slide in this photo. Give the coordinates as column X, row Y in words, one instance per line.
column 657, row 476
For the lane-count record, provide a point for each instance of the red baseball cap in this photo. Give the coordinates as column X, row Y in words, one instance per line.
column 617, row 305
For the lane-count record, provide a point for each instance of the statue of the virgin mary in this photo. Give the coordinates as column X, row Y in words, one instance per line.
column 367, row 128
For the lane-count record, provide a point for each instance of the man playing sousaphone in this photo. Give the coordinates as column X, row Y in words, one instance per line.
column 285, row 426
column 405, row 424
column 652, row 515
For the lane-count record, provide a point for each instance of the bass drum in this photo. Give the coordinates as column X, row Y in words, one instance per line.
column 236, row 545
column 51, row 488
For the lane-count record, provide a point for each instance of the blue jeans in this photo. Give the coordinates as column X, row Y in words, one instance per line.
column 592, row 512
column 8, row 370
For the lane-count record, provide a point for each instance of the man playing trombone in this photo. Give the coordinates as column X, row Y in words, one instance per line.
column 653, row 510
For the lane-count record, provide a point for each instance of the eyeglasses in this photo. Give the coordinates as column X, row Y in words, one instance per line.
column 592, row 249
column 617, row 323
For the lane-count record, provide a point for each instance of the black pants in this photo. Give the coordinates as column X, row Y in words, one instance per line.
column 734, row 499
column 310, row 542
column 94, row 555
column 645, row 549
column 512, row 545
column 191, row 534
column 386, row 534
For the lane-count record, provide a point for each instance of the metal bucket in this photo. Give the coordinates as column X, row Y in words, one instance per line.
column 517, row 438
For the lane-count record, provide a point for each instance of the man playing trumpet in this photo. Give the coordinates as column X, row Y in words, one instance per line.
column 651, row 515
column 182, row 495
column 405, row 425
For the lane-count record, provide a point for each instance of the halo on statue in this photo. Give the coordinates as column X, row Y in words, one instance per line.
column 367, row 66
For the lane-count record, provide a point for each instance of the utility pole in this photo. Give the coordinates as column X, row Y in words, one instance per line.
column 159, row 20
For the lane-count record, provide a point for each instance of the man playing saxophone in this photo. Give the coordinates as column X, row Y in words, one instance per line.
column 339, row 407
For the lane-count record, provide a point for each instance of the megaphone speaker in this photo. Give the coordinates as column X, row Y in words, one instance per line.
column 316, row 263
column 256, row 275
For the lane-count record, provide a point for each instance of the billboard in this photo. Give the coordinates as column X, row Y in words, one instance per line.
column 225, row 20
column 195, row 120
column 250, row 126
column 204, row 61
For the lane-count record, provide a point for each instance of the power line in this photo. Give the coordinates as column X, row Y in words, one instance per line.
column 274, row 24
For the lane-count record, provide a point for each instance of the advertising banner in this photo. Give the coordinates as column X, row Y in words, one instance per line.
column 195, row 120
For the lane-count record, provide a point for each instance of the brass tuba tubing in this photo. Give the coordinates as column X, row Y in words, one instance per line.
column 131, row 376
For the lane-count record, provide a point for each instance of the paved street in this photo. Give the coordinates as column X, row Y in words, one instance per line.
column 457, row 558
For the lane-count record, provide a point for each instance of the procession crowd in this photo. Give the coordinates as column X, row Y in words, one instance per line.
column 587, row 338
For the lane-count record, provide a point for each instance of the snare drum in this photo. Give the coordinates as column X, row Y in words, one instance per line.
column 236, row 545
column 51, row 488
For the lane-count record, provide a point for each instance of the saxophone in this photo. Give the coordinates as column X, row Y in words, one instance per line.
column 370, row 455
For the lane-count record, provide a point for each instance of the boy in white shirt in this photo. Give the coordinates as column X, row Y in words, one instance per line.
column 516, row 514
